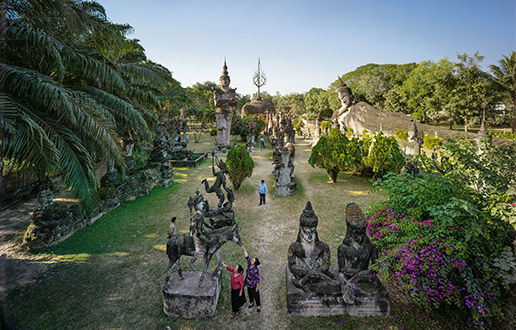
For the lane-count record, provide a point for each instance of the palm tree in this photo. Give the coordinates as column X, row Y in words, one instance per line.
column 71, row 83
column 505, row 78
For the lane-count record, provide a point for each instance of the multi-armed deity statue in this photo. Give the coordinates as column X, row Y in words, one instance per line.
column 316, row 288
column 225, row 101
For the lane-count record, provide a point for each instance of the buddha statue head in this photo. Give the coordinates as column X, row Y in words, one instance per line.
column 308, row 222
column 345, row 95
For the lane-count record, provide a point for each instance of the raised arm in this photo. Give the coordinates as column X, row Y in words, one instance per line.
column 245, row 252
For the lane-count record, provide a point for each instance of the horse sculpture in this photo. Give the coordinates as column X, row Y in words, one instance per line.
column 182, row 244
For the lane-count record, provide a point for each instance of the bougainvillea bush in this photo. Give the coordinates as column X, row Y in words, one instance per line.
column 439, row 251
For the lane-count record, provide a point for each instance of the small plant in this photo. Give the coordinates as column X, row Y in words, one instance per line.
column 432, row 141
column 402, row 135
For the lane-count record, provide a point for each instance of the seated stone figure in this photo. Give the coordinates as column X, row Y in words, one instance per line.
column 309, row 258
column 354, row 255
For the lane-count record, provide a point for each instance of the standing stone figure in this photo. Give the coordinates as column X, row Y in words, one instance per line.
column 285, row 181
column 309, row 258
column 225, row 101
column 354, row 255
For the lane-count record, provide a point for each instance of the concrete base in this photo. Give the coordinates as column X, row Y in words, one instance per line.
column 301, row 303
column 184, row 298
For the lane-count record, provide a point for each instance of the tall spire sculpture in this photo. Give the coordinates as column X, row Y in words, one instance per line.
column 225, row 101
column 259, row 79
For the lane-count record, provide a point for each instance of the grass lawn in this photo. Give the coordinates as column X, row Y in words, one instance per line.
column 110, row 275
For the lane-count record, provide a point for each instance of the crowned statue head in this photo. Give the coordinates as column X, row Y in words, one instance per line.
column 308, row 222
column 224, row 80
column 356, row 224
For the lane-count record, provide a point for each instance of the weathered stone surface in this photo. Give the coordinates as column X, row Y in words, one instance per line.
column 364, row 116
column 301, row 303
column 186, row 299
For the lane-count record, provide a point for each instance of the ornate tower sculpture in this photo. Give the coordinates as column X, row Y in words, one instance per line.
column 225, row 101
column 259, row 79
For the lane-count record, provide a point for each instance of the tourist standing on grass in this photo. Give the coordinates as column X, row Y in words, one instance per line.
column 262, row 189
column 262, row 143
column 237, row 288
column 252, row 281
column 172, row 227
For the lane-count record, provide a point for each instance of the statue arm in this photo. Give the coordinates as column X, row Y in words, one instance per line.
column 325, row 260
column 292, row 265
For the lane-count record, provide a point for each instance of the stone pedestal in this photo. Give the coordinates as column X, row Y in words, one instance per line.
column 301, row 303
column 184, row 298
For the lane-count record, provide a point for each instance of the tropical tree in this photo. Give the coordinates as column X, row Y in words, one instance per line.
column 473, row 90
column 71, row 83
column 316, row 101
column 505, row 78
column 426, row 89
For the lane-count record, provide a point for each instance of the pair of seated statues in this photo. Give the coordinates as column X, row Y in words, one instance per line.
column 309, row 259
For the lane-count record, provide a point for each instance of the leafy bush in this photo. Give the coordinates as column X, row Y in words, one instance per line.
column 381, row 154
column 437, row 246
column 213, row 132
column 240, row 165
column 402, row 135
column 350, row 133
column 247, row 126
column 336, row 153
column 298, row 124
column 503, row 135
column 431, row 141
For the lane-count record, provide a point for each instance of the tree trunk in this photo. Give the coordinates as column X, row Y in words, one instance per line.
column 333, row 174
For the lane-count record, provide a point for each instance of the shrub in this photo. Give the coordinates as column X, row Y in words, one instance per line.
column 240, row 165
column 437, row 247
column 503, row 135
column 431, row 141
column 336, row 153
column 402, row 135
column 381, row 155
column 247, row 126
column 298, row 125
column 213, row 132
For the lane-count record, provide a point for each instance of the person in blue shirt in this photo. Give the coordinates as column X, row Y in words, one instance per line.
column 262, row 189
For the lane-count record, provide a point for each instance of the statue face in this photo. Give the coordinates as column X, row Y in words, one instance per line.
column 224, row 81
column 308, row 233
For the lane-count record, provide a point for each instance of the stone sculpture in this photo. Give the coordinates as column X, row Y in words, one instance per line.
column 346, row 99
column 285, row 181
column 413, row 145
column 225, row 101
column 354, row 254
column 314, row 288
column 220, row 180
column 309, row 258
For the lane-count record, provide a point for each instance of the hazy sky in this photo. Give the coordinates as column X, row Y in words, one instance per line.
column 305, row 44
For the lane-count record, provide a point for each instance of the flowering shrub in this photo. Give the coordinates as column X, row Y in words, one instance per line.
column 247, row 126
column 438, row 248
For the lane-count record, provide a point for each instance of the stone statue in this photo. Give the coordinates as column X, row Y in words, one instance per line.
column 309, row 258
column 225, row 101
column 285, row 182
column 413, row 145
column 220, row 180
column 354, row 255
column 346, row 99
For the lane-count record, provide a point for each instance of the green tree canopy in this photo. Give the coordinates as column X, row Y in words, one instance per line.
column 504, row 77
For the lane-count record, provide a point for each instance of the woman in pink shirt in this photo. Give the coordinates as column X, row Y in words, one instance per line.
column 237, row 288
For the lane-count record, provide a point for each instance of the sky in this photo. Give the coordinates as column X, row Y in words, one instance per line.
column 304, row 44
